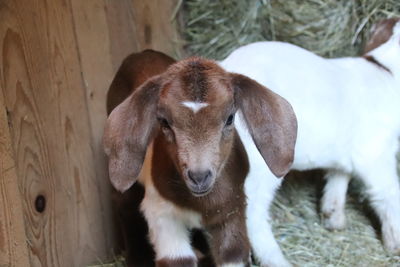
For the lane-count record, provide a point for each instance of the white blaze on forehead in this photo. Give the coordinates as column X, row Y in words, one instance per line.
column 194, row 106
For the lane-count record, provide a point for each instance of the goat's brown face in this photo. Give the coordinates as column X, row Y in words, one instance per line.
column 193, row 104
column 196, row 112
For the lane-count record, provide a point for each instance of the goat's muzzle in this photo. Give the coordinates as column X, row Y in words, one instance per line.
column 199, row 182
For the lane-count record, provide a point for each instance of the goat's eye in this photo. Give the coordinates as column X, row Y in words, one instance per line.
column 229, row 121
column 164, row 123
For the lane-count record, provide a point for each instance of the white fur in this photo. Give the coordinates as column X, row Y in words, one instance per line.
column 334, row 199
column 260, row 192
column 194, row 106
column 168, row 225
column 348, row 113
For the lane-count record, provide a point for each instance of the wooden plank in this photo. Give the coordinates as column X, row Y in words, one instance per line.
column 97, row 72
column 44, row 93
column 155, row 27
column 121, row 29
column 136, row 25
column 13, row 246
column 56, row 69
column 101, row 52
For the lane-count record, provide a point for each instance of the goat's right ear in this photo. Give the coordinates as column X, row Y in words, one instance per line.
column 270, row 120
column 128, row 131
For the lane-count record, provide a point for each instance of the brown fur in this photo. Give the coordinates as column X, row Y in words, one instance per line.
column 134, row 71
column 181, row 262
column 223, row 209
column 381, row 32
column 377, row 63
column 186, row 141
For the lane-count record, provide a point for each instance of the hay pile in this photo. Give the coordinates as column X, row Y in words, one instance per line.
column 331, row 28
column 328, row 27
column 305, row 242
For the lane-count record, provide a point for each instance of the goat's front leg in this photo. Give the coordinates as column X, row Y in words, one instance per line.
column 260, row 189
column 171, row 241
column 229, row 244
column 167, row 231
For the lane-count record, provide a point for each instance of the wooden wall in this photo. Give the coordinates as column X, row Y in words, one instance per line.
column 57, row 60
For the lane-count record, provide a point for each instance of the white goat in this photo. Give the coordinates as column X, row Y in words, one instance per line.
column 348, row 112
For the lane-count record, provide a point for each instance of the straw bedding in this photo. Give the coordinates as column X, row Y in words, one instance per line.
column 328, row 27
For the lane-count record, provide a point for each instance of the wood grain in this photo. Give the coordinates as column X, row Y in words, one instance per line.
column 155, row 26
column 136, row 25
column 45, row 96
column 57, row 60
column 93, row 42
column 115, row 28
column 13, row 245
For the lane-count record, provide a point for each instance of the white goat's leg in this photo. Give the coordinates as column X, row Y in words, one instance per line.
column 334, row 199
column 260, row 190
column 384, row 192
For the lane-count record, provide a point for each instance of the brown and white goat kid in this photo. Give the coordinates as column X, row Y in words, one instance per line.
column 175, row 135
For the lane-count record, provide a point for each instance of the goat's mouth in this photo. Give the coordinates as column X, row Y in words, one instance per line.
column 200, row 193
column 200, row 190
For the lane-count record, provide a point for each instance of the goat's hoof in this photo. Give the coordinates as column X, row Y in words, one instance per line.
column 181, row 262
column 393, row 249
column 334, row 220
column 279, row 265
column 392, row 245
column 282, row 263
column 391, row 237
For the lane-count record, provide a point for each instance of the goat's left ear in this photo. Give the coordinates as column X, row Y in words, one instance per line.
column 270, row 120
column 129, row 130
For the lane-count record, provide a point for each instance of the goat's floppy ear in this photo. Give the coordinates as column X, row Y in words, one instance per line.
column 128, row 131
column 270, row 120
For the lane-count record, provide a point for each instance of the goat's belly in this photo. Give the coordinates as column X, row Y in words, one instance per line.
column 321, row 151
column 310, row 162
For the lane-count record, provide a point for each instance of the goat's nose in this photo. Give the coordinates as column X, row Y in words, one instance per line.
column 199, row 177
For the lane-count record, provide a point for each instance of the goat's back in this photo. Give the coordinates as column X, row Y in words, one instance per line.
column 135, row 70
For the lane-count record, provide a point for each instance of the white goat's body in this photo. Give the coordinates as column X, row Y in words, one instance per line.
column 323, row 92
column 348, row 122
